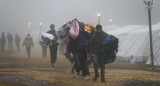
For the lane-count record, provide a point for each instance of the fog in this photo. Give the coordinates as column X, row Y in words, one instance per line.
column 16, row 14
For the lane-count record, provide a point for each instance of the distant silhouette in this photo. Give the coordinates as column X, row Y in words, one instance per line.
column 28, row 43
column 3, row 41
column 17, row 42
column 10, row 42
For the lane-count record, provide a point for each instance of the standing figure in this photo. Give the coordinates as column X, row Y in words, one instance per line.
column 53, row 46
column 10, row 42
column 17, row 41
column 3, row 41
column 28, row 43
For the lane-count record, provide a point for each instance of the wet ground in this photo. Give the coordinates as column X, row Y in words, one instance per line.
column 18, row 70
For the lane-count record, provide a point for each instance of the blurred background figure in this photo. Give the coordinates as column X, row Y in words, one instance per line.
column 28, row 43
column 44, row 49
column 3, row 41
column 10, row 42
column 17, row 41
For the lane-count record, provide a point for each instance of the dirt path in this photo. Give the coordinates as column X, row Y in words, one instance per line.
column 16, row 68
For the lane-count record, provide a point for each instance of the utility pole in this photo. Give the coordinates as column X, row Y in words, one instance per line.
column 149, row 7
column 99, row 17
column 29, row 27
column 40, row 29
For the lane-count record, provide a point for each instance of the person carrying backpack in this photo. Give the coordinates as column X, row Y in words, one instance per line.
column 95, row 48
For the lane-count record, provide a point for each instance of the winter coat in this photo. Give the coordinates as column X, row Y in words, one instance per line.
column 96, row 41
column 28, row 41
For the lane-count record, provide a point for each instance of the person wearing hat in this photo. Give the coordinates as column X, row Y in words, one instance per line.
column 95, row 48
column 53, row 45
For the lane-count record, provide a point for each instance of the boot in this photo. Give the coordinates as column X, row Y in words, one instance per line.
column 95, row 78
column 103, row 80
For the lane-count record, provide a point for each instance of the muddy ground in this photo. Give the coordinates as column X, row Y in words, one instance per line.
column 16, row 69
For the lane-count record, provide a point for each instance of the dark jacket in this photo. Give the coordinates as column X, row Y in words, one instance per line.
column 72, row 45
column 95, row 43
column 55, row 35
column 3, row 40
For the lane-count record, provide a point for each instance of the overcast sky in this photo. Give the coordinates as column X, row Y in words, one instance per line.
column 16, row 14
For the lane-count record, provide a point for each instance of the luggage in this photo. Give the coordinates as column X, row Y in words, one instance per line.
column 108, row 54
column 62, row 32
column 74, row 30
column 109, row 48
column 89, row 27
column 111, row 41
column 46, row 38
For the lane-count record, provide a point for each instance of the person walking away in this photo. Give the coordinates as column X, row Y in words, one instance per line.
column 17, row 42
column 44, row 49
column 95, row 47
column 10, row 42
column 53, row 46
column 28, row 43
column 3, row 41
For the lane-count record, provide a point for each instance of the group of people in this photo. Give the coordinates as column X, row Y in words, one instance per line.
column 92, row 47
column 75, row 48
column 10, row 42
column 28, row 42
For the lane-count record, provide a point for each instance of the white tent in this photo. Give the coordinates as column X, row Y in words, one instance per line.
column 134, row 41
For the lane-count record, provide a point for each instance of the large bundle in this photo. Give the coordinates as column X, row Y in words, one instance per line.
column 74, row 30
column 89, row 27
column 110, row 48
column 46, row 38
column 62, row 32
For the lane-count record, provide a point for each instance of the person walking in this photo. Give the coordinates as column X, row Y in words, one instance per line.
column 82, row 52
column 53, row 45
column 44, row 49
column 28, row 43
column 17, row 42
column 10, row 42
column 95, row 47
column 3, row 41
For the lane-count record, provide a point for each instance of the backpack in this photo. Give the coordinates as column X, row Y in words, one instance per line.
column 109, row 48
column 111, row 41
column 108, row 54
